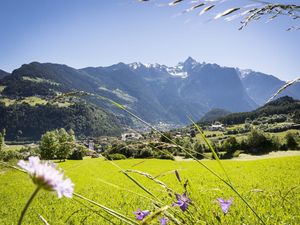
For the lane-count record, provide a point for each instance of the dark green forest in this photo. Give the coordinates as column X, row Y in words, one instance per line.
column 283, row 105
column 24, row 122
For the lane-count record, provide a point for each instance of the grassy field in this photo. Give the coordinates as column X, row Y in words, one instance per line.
column 271, row 186
column 13, row 147
column 32, row 101
column 29, row 100
column 2, row 88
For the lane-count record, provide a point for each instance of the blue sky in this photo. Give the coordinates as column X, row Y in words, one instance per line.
column 83, row 33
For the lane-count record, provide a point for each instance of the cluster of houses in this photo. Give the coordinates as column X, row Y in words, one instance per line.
column 134, row 136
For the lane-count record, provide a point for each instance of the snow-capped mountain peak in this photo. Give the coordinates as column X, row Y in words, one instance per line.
column 136, row 65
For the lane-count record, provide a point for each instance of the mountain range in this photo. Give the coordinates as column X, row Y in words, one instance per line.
column 155, row 92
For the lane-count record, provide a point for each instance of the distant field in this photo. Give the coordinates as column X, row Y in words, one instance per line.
column 29, row 100
column 2, row 88
column 13, row 147
column 214, row 135
column 272, row 187
column 33, row 101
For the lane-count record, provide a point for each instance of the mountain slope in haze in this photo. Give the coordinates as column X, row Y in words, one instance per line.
column 171, row 94
column 260, row 87
column 214, row 115
column 219, row 86
column 3, row 74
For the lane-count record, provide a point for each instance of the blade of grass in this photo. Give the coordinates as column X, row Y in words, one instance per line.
column 43, row 220
column 134, row 180
column 151, row 178
column 94, row 211
column 211, row 148
column 285, row 86
column 120, row 216
column 125, row 189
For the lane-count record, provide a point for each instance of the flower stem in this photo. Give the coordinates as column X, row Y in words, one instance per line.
column 28, row 204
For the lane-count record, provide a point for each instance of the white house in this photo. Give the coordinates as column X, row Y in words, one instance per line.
column 130, row 136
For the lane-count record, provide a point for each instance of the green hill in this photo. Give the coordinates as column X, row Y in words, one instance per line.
column 283, row 105
column 214, row 114
column 26, row 109
column 27, row 122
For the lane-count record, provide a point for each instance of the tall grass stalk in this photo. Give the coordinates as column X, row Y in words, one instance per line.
column 187, row 152
column 285, row 86
column 43, row 219
column 28, row 204
column 147, row 175
column 120, row 216
column 92, row 210
column 211, row 148
column 134, row 180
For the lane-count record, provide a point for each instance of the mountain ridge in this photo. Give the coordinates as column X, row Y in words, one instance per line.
column 154, row 92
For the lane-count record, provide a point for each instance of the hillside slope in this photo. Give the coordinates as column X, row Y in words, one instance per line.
column 260, row 87
column 25, row 122
column 283, row 105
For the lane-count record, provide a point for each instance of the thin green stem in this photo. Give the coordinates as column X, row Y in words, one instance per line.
column 211, row 148
column 28, row 204
column 120, row 216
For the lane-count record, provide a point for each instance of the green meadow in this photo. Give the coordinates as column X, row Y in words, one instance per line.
column 270, row 186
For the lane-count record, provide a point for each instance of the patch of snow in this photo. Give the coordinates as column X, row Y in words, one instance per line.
column 244, row 73
column 135, row 65
column 177, row 71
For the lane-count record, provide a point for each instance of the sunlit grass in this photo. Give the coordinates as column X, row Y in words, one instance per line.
column 2, row 88
column 13, row 147
column 33, row 101
column 270, row 186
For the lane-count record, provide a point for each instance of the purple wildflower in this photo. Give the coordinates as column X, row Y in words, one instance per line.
column 182, row 201
column 163, row 221
column 177, row 176
column 140, row 215
column 225, row 204
column 47, row 176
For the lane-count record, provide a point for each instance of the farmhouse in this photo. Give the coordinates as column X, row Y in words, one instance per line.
column 131, row 136
column 217, row 126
